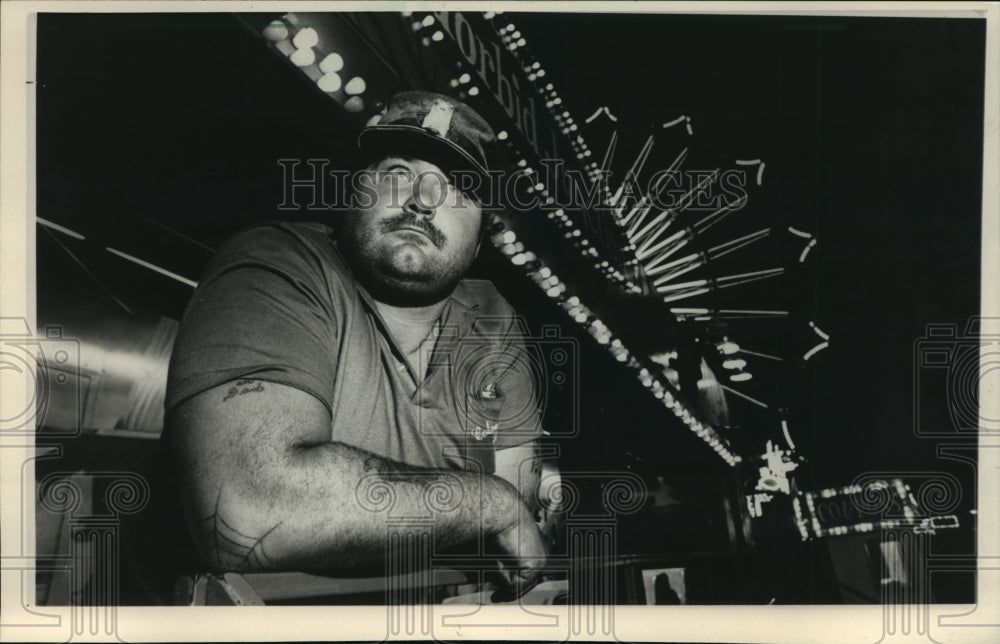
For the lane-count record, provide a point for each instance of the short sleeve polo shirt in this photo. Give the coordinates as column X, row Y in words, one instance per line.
column 278, row 303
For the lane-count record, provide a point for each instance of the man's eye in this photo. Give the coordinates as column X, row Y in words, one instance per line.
column 398, row 173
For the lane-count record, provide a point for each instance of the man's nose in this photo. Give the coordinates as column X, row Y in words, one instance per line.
column 418, row 205
column 423, row 196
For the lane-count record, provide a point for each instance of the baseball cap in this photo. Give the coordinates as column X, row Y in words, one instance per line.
column 433, row 127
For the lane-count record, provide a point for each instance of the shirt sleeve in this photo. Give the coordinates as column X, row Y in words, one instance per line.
column 259, row 312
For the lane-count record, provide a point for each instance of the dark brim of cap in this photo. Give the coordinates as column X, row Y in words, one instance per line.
column 414, row 142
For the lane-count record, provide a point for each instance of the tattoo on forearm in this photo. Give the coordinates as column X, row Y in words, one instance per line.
column 244, row 386
column 231, row 549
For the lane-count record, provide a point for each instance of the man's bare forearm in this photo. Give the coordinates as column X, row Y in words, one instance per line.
column 326, row 508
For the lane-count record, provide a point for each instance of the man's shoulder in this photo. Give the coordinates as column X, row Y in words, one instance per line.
column 282, row 233
column 286, row 245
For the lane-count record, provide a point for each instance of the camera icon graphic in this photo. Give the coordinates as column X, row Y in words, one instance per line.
column 49, row 367
column 503, row 380
column 949, row 369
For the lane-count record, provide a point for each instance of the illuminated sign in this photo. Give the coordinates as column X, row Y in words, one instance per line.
column 878, row 505
column 500, row 73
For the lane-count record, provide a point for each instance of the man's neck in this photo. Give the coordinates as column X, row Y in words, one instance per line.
column 410, row 325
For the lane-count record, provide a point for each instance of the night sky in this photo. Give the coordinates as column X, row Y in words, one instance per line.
column 871, row 130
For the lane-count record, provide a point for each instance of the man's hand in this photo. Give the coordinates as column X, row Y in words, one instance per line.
column 522, row 559
column 522, row 546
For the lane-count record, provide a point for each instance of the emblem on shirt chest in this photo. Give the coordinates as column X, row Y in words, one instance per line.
column 488, row 402
column 481, row 433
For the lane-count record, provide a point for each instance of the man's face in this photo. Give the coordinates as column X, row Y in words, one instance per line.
column 417, row 237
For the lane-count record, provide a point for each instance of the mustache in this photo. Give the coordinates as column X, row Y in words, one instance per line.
column 410, row 220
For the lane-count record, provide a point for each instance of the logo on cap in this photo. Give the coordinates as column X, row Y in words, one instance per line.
column 439, row 117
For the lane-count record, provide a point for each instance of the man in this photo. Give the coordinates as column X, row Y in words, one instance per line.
column 313, row 372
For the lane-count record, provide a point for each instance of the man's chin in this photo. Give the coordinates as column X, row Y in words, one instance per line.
column 408, row 261
column 406, row 288
column 404, row 274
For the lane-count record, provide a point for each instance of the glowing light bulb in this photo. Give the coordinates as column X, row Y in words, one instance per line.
column 502, row 135
column 437, row 36
column 728, row 348
column 473, row 91
column 355, row 86
column 428, row 20
column 306, row 38
column 276, row 31
column 303, row 57
column 331, row 63
column 329, row 82
column 354, row 104
column 736, row 363
column 742, row 376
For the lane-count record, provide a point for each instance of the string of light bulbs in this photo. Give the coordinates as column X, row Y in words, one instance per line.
column 506, row 241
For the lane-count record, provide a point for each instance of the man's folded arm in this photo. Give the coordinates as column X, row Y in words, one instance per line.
column 264, row 488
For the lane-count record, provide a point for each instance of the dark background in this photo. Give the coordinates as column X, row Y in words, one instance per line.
column 871, row 130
